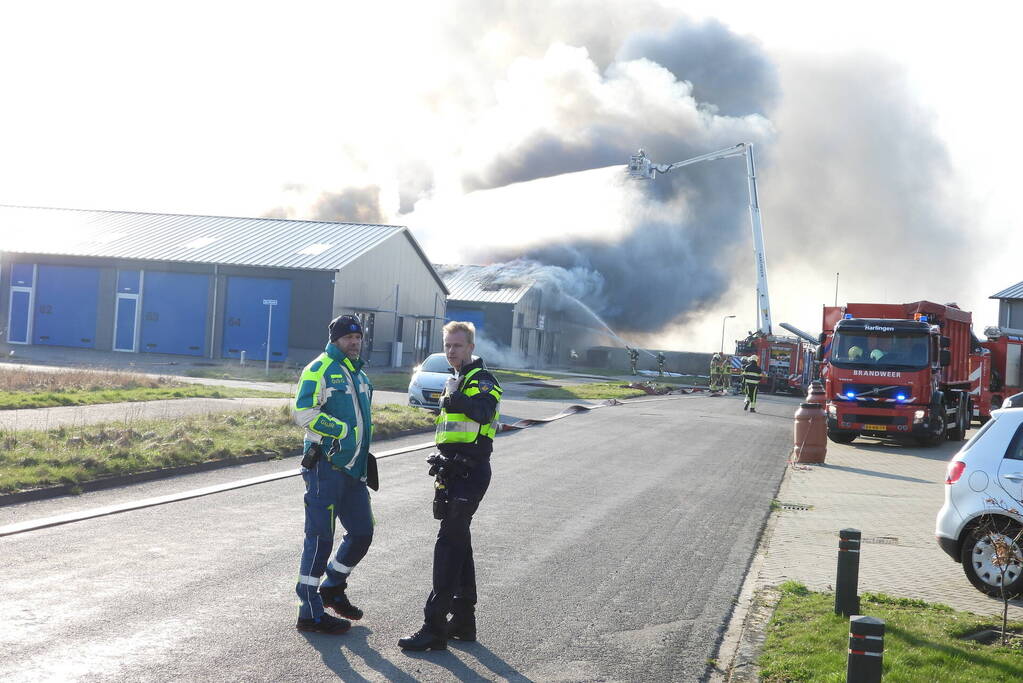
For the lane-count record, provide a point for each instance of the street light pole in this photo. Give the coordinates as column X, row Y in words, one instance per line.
column 723, row 321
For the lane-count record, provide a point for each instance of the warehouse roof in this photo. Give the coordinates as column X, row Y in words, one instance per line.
column 269, row 242
column 1014, row 292
column 483, row 284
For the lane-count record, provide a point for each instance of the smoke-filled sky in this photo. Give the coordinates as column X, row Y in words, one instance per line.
column 885, row 138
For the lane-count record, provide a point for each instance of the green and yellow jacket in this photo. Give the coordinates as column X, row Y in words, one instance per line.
column 468, row 419
column 333, row 404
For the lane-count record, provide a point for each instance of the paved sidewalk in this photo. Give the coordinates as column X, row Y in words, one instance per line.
column 890, row 493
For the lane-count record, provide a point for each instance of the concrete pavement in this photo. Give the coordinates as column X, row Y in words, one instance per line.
column 891, row 493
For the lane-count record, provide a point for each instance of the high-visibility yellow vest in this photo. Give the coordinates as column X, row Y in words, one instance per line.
column 459, row 427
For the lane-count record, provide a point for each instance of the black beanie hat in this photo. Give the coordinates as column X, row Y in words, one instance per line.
column 342, row 325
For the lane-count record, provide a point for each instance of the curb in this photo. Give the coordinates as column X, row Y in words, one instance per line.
column 739, row 648
column 152, row 475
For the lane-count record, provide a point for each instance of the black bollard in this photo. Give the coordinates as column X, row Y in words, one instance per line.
column 847, row 600
column 866, row 649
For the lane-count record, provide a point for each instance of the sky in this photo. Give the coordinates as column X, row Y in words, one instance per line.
column 885, row 135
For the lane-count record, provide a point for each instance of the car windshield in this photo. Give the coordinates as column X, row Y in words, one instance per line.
column 436, row 363
column 899, row 349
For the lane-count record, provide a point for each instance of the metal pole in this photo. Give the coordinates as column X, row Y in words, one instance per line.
column 847, row 602
column 269, row 323
column 836, row 289
column 866, row 650
column 723, row 320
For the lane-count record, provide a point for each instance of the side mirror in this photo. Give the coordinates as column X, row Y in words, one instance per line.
column 945, row 357
column 822, row 337
column 945, row 342
column 819, row 354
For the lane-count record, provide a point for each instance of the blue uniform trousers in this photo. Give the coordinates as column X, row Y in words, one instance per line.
column 331, row 495
column 454, row 572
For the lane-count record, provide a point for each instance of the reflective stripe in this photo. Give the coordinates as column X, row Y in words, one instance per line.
column 458, row 426
column 338, row 567
column 354, row 394
column 308, row 580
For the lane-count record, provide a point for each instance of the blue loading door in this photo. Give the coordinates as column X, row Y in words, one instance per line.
column 174, row 313
column 466, row 315
column 246, row 317
column 65, row 306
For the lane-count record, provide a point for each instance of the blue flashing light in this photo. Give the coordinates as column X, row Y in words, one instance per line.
column 900, row 397
column 851, row 394
column 847, row 316
column 923, row 318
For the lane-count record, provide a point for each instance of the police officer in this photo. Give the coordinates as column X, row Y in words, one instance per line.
column 751, row 376
column 633, row 358
column 660, row 363
column 466, row 426
column 333, row 404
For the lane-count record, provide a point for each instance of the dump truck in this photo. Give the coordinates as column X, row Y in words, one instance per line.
column 897, row 370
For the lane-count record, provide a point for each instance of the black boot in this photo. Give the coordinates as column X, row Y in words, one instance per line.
column 462, row 626
column 423, row 639
column 334, row 598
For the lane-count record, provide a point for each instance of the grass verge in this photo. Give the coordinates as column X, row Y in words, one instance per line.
column 248, row 373
column 72, row 455
column 598, row 390
column 11, row 400
column 807, row 641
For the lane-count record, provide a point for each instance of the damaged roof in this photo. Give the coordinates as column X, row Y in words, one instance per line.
column 482, row 284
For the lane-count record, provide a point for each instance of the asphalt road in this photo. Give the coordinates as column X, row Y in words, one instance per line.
column 610, row 546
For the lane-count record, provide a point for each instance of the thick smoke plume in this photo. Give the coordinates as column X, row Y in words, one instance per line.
column 850, row 168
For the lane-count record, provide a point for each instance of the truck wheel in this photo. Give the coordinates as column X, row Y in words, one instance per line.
column 841, row 437
column 982, row 564
column 936, row 434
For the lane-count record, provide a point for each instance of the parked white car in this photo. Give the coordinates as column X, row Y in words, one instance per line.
column 427, row 382
column 984, row 490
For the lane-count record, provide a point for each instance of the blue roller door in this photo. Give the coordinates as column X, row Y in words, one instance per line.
column 65, row 306
column 174, row 313
column 467, row 315
column 246, row 317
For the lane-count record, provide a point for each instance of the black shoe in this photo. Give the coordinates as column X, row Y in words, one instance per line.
column 745, row 406
column 334, row 598
column 325, row 624
column 423, row 639
column 753, row 410
column 462, row 628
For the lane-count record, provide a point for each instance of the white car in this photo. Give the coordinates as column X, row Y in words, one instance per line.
column 428, row 381
column 983, row 508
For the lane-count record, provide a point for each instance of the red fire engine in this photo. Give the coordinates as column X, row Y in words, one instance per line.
column 996, row 370
column 897, row 370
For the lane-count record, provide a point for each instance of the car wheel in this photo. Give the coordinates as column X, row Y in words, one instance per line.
column 841, row 437
column 982, row 562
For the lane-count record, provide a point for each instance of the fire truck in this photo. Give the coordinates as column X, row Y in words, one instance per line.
column 996, row 370
column 897, row 370
column 787, row 362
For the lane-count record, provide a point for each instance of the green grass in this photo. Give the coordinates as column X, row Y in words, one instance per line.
column 248, row 373
column 72, row 455
column 612, row 372
column 521, row 376
column 807, row 641
column 598, row 390
column 10, row 400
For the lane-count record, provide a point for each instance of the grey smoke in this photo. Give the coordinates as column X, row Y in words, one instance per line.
column 350, row 205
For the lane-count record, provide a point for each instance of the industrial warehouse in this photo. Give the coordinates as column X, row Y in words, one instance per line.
column 213, row 287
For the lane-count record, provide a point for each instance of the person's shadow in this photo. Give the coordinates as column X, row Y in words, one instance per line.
column 337, row 651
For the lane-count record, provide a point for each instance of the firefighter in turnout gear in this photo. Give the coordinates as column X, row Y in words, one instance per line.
column 466, row 427
column 660, row 363
column 333, row 404
column 751, row 376
column 633, row 358
column 716, row 378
